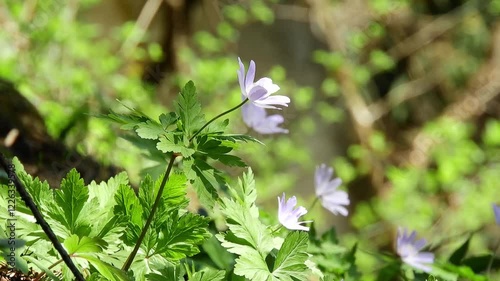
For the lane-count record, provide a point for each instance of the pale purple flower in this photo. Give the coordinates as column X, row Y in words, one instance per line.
column 289, row 216
column 259, row 93
column 409, row 251
column 256, row 118
column 327, row 191
column 496, row 211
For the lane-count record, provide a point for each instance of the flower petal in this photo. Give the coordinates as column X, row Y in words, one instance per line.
column 409, row 251
column 256, row 93
column 288, row 216
column 496, row 211
column 241, row 78
column 271, row 101
column 268, row 84
column 250, row 74
column 252, row 114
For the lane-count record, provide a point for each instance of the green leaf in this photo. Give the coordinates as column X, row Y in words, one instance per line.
column 171, row 272
column 73, row 244
column 215, row 149
column 70, row 199
column 188, row 108
column 105, row 269
column 43, row 268
column 217, row 127
column 247, row 236
column 169, row 119
column 40, row 191
column 180, row 236
column 481, row 263
column 291, row 258
column 459, row 254
column 205, row 179
column 128, row 206
column 218, row 254
column 246, row 227
column 237, row 138
column 246, row 193
column 172, row 199
column 208, row 274
column 149, row 130
column 144, row 265
column 105, row 223
column 128, row 121
column 231, row 161
column 105, row 191
column 252, row 265
column 172, row 143
column 174, row 195
column 389, row 271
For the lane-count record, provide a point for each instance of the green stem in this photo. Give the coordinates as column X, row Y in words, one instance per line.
column 131, row 257
column 216, row 117
column 276, row 229
column 313, row 203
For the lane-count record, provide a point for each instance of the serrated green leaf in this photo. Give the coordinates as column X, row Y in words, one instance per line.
column 171, row 143
column 105, row 191
column 247, row 227
column 70, row 199
column 172, row 199
column 105, row 223
column 181, row 236
column 208, row 274
column 231, row 161
column 149, row 130
column 205, row 179
column 291, row 258
column 74, row 244
column 128, row 121
column 168, row 273
column 253, row 266
column 215, row 149
column 144, row 265
column 247, row 236
column 188, row 108
column 216, row 127
column 237, row 138
column 128, row 206
column 169, row 119
column 40, row 191
column 147, row 195
column 246, row 194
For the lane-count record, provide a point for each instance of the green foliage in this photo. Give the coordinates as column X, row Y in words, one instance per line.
column 99, row 223
column 188, row 108
column 253, row 243
column 186, row 140
column 94, row 221
column 208, row 274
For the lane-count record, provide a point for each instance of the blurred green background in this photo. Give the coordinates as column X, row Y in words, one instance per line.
column 400, row 97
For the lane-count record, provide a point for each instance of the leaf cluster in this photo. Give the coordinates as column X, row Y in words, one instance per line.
column 260, row 255
column 99, row 223
column 183, row 132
